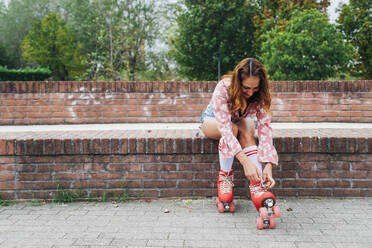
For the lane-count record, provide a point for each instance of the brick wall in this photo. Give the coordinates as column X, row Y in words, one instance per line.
column 23, row 103
column 157, row 165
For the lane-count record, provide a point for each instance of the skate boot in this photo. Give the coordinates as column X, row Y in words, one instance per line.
column 224, row 201
column 264, row 201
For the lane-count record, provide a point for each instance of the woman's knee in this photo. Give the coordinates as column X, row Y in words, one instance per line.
column 246, row 136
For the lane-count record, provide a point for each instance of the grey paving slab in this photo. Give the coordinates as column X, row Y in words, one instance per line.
column 305, row 222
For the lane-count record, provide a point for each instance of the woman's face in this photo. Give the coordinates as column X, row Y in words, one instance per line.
column 250, row 86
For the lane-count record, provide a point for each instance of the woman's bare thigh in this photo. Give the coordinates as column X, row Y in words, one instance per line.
column 210, row 129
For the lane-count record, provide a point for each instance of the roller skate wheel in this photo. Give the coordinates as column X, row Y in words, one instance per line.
column 272, row 224
column 260, row 224
column 221, row 207
column 232, row 207
column 263, row 212
column 217, row 201
column 276, row 210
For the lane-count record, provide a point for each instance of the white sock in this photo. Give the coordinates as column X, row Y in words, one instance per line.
column 251, row 153
column 226, row 164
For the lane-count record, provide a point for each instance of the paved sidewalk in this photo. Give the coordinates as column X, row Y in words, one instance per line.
column 305, row 222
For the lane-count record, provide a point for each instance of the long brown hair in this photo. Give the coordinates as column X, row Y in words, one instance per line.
column 249, row 67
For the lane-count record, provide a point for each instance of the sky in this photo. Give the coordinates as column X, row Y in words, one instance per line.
column 332, row 9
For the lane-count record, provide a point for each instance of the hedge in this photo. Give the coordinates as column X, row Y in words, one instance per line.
column 26, row 74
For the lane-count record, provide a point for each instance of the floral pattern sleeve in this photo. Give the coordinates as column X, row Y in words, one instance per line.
column 229, row 145
column 266, row 151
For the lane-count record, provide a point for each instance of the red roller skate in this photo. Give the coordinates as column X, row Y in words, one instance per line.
column 264, row 201
column 224, row 201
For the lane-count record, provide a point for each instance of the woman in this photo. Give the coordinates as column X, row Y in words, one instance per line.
column 228, row 118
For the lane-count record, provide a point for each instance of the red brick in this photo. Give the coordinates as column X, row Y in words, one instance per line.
column 160, row 184
column 349, row 192
column 335, row 183
column 124, row 184
column 11, row 147
column 106, row 176
column 362, row 184
column 125, row 167
column 179, row 145
column 202, row 158
column 284, row 174
column 159, row 167
column 176, row 175
column 51, row 185
column 147, row 193
column 68, row 159
column 123, row 146
column 83, row 184
column 206, row 175
column 150, row 145
column 7, row 160
column 195, row 167
column 70, row 176
column 361, row 166
column 107, row 159
column 142, row 175
column 180, row 158
column 175, row 192
column 298, row 183
column 285, row 192
column 96, row 146
column 7, row 168
column 349, row 174
column 333, row 165
column 143, row 158
column 51, row 168
column 141, row 145
column 160, row 142
column 314, row 192
column 15, row 185
column 6, row 177
column 314, row 174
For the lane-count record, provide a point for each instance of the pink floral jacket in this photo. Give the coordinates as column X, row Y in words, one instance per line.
column 229, row 144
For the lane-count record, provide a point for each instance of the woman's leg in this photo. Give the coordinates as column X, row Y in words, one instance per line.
column 210, row 129
column 248, row 142
column 225, row 175
column 246, row 132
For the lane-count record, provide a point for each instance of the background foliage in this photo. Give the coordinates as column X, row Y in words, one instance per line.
column 26, row 74
column 308, row 47
column 51, row 44
column 157, row 40
column 356, row 22
column 208, row 30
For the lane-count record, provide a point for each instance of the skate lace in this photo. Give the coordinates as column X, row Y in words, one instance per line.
column 255, row 188
column 226, row 184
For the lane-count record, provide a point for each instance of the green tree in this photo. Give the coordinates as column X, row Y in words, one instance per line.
column 51, row 44
column 16, row 20
column 309, row 48
column 116, row 35
column 274, row 13
column 356, row 23
column 82, row 16
column 212, row 30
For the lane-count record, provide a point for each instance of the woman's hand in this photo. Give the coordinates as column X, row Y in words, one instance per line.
column 267, row 176
column 250, row 170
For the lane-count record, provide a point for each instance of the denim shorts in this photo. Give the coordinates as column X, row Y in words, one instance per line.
column 209, row 113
